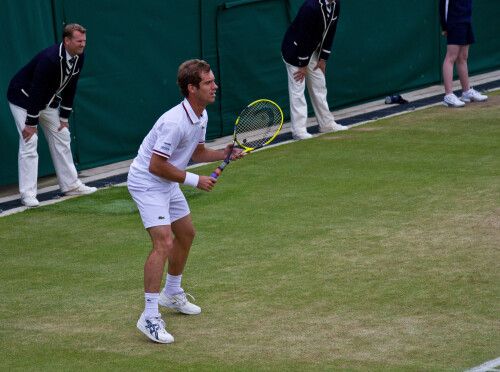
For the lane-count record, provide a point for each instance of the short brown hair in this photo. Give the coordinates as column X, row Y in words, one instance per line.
column 190, row 73
column 70, row 28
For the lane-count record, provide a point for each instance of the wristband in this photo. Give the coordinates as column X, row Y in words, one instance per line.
column 191, row 179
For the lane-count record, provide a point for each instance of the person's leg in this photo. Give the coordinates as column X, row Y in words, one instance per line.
column 449, row 61
column 461, row 64
column 161, row 237
column 153, row 207
column 173, row 296
column 298, row 104
column 60, row 149
column 184, row 233
column 316, row 85
column 27, row 157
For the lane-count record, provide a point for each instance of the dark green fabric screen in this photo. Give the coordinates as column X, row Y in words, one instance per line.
column 134, row 49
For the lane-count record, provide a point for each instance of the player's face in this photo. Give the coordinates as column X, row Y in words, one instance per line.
column 207, row 88
column 76, row 44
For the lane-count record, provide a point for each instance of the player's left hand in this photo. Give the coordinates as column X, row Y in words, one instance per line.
column 236, row 154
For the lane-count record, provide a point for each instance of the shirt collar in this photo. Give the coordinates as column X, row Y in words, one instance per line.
column 68, row 57
column 190, row 113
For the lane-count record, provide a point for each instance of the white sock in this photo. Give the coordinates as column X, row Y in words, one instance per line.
column 151, row 308
column 173, row 284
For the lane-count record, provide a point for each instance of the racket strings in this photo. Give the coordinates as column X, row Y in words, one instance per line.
column 258, row 123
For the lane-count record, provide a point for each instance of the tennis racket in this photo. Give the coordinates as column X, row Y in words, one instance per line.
column 257, row 126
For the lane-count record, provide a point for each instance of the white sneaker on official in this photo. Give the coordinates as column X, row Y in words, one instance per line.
column 179, row 302
column 335, row 127
column 81, row 190
column 302, row 136
column 473, row 95
column 30, row 201
column 451, row 100
column 154, row 328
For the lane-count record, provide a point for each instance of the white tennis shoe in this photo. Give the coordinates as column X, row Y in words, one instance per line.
column 335, row 127
column 30, row 201
column 301, row 136
column 473, row 95
column 451, row 100
column 179, row 302
column 81, row 190
column 154, row 328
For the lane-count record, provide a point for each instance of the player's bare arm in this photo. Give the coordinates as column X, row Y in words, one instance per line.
column 160, row 167
column 204, row 154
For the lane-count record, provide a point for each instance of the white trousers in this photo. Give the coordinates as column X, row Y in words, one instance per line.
column 316, row 86
column 60, row 151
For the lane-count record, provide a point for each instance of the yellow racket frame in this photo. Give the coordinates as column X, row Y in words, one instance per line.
column 247, row 149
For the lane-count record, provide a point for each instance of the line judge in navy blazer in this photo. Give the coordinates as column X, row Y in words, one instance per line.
column 42, row 93
column 305, row 49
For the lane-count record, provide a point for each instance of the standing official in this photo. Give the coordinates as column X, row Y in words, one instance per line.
column 305, row 49
column 35, row 94
column 456, row 22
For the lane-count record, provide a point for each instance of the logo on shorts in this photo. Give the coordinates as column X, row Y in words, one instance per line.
column 161, row 217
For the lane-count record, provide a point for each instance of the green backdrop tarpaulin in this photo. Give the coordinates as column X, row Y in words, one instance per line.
column 134, row 49
column 250, row 64
column 23, row 34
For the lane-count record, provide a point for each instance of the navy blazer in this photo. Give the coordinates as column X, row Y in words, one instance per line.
column 312, row 29
column 454, row 11
column 44, row 81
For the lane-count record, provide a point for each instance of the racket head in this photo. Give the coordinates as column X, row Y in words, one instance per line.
column 258, row 124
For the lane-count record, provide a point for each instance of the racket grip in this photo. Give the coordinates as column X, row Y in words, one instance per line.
column 216, row 173
column 219, row 170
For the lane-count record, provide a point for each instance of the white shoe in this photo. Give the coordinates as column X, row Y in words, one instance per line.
column 81, row 190
column 473, row 95
column 335, row 127
column 302, row 136
column 30, row 201
column 154, row 328
column 451, row 100
column 179, row 302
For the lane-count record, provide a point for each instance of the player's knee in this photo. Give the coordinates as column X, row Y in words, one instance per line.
column 162, row 246
column 190, row 233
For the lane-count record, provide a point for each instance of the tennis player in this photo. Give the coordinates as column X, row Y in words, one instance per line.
column 153, row 182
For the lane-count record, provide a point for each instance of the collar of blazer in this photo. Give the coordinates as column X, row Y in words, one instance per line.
column 328, row 16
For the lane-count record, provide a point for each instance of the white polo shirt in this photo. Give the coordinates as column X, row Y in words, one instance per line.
column 174, row 137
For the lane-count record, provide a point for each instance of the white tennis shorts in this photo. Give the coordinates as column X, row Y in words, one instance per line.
column 159, row 208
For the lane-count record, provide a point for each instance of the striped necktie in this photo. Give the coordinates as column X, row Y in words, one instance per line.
column 69, row 65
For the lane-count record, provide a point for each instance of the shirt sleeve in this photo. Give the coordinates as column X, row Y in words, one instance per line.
column 442, row 14
column 305, row 36
column 42, row 76
column 168, row 139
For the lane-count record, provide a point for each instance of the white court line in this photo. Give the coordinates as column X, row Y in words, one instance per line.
column 488, row 366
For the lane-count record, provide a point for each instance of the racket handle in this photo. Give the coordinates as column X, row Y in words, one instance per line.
column 219, row 170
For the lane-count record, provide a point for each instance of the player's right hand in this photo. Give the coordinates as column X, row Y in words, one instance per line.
column 206, row 183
